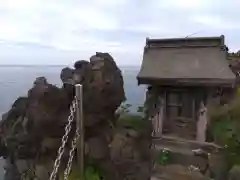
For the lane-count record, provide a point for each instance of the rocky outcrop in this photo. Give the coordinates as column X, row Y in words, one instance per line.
column 173, row 172
column 234, row 173
column 32, row 129
column 130, row 150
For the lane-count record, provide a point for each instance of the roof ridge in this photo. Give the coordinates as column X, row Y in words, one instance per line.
column 186, row 42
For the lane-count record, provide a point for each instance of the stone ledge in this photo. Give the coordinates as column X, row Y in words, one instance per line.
column 186, row 144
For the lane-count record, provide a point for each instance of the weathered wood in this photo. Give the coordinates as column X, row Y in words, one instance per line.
column 160, row 116
column 165, row 103
column 80, row 124
column 174, row 105
column 193, row 108
column 202, row 123
column 154, row 124
column 184, row 124
column 188, row 82
column 166, row 140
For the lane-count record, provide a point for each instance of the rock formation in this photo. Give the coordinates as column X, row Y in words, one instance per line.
column 32, row 129
column 234, row 173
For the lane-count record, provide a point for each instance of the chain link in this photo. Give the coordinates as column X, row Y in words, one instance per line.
column 71, row 155
column 64, row 139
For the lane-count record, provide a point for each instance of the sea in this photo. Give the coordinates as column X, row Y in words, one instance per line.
column 16, row 80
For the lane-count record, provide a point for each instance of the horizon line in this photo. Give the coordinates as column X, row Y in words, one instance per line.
column 56, row 65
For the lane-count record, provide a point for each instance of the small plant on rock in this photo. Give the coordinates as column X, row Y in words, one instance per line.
column 163, row 157
column 131, row 120
column 91, row 173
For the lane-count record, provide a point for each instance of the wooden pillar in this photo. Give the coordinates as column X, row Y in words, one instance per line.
column 80, row 126
column 202, row 123
column 193, row 108
column 157, row 111
column 165, row 104
column 150, row 105
column 160, row 116
column 155, row 125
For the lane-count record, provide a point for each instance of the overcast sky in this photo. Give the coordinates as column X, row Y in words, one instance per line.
column 61, row 31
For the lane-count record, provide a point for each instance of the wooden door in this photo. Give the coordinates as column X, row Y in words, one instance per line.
column 180, row 114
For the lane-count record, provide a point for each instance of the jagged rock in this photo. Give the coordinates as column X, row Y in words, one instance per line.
column 50, row 143
column 97, row 147
column 17, row 110
column 218, row 166
column 131, row 153
column 34, row 126
column 42, row 172
column 234, row 173
column 47, row 105
column 23, row 165
column 80, row 64
column 11, row 171
column 40, row 81
column 67, row 75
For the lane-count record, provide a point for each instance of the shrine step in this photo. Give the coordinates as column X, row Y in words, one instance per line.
column 183, row 152
column 185, row 145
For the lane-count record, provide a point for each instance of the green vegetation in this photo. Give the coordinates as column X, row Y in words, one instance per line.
column 135, row 121
column 163, row 157
column 132, row 121
column 225, row 127
column 125, row 109
column 91, row 173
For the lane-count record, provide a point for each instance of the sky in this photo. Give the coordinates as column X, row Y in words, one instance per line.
column 56, row 32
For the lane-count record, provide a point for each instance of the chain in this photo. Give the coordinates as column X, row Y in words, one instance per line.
column 64, row 140
column 71, row 155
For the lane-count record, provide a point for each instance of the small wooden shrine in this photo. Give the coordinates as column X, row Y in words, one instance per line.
column 184, row 76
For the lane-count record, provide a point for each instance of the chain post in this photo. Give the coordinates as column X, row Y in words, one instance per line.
column 78, row 140
column 71, row 155
column 80, row 126
column 64, row 140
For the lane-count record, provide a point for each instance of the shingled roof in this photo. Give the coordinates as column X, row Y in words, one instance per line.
column 188, row 61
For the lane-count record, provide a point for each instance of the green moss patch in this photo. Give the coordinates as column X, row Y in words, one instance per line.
column 135, row 122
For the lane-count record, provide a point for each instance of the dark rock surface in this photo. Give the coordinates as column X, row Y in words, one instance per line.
column 234, row 173
column 32, row 129
column 130, row 152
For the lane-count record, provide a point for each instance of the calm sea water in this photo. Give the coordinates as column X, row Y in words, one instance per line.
column 16, row 80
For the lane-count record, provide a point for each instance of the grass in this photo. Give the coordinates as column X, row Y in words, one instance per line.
column 91, row 173
column 135, row 122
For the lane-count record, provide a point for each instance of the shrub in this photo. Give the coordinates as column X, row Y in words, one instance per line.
column 163, row 157
column 91, row 173
column 225, row 127
column 130, row 120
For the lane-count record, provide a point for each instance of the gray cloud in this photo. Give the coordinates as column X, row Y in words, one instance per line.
column 76, row 29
